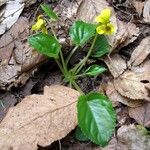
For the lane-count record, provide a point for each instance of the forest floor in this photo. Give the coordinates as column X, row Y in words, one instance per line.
column 24, row 72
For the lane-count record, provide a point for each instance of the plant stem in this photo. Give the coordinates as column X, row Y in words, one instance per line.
column 71, row 53
column 81, row 75
column 79, row 66
column 60, row 66
column 63, row 62
column 77, row 87
column 61, row 54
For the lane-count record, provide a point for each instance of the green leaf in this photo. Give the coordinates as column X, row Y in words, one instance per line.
column 80, row 136
column 96, row 117
column 101, row 46
column 49, row 12
column 95, row 70
column 45, row 44
column 81, row 32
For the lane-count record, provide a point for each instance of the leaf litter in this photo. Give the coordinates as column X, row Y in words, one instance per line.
column 134, row 74
column 44, row 119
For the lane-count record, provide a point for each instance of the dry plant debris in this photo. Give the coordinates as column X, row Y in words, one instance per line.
column 11, row 12
column 141, row 114
column 140, row 53
column 132, row 85
column 16, row 56
column 138, row 5
column 146, row 11
column 116, row 65
column 133, row 137
column 39, row 119
column 115, row 97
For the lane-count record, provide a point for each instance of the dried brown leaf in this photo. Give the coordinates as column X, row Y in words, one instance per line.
column 140, row 53
column 146, row 11
column 138, row 5
column 141, row 114
column 133, row 85
column 39, row 119
column 115, row 97
column 133, row 138
column 129, row 138
column 133, row 32
column 16, row 56
column 11, row 15
column 116, row 64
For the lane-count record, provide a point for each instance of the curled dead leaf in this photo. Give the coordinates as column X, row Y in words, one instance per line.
column 138, row 5
column 116, row 64
column 133, row 137
column 141, row 114
column 115, row 97
column 39, row 119
column 132, row 85
column 16, row 56
column 140, row 53
column 133, row 33
column 146, row 11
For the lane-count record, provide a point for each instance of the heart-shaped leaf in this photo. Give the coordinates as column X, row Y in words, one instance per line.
column 49, row 12
column 45, row 44
column 81, row 32
column 101, row 46
column 95, row 70
column 96, row 117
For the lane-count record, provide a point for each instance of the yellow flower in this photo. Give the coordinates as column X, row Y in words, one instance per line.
column 40, row 25
column 106, row 29
column 104, row 16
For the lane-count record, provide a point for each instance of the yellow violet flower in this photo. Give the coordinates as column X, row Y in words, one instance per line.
column 104, row 16
column 40, row 25
column 105, row 29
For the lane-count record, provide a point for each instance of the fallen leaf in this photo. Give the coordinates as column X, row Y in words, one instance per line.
column 12, row 12
column 141, row 114
column 138, row 5
column 140, row 53
column 133, row 85
column 116, row 64
column 113, row 145
column 39, row 119
column 115, row 97
column 17, row 58
column 146, row 11
column 133, row 33
column 143, row 67
column 133, row 137
column 29, row 2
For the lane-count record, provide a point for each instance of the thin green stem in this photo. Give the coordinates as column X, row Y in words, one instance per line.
column 79, row 66
column 81, row 75
column 71, row 53
column 60, row 66
column 77, row 87
column 83, row 62
column 61, row 54
column 63, row 62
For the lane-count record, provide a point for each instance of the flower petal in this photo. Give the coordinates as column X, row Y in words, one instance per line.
column 100, row 29
column 104, row 16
